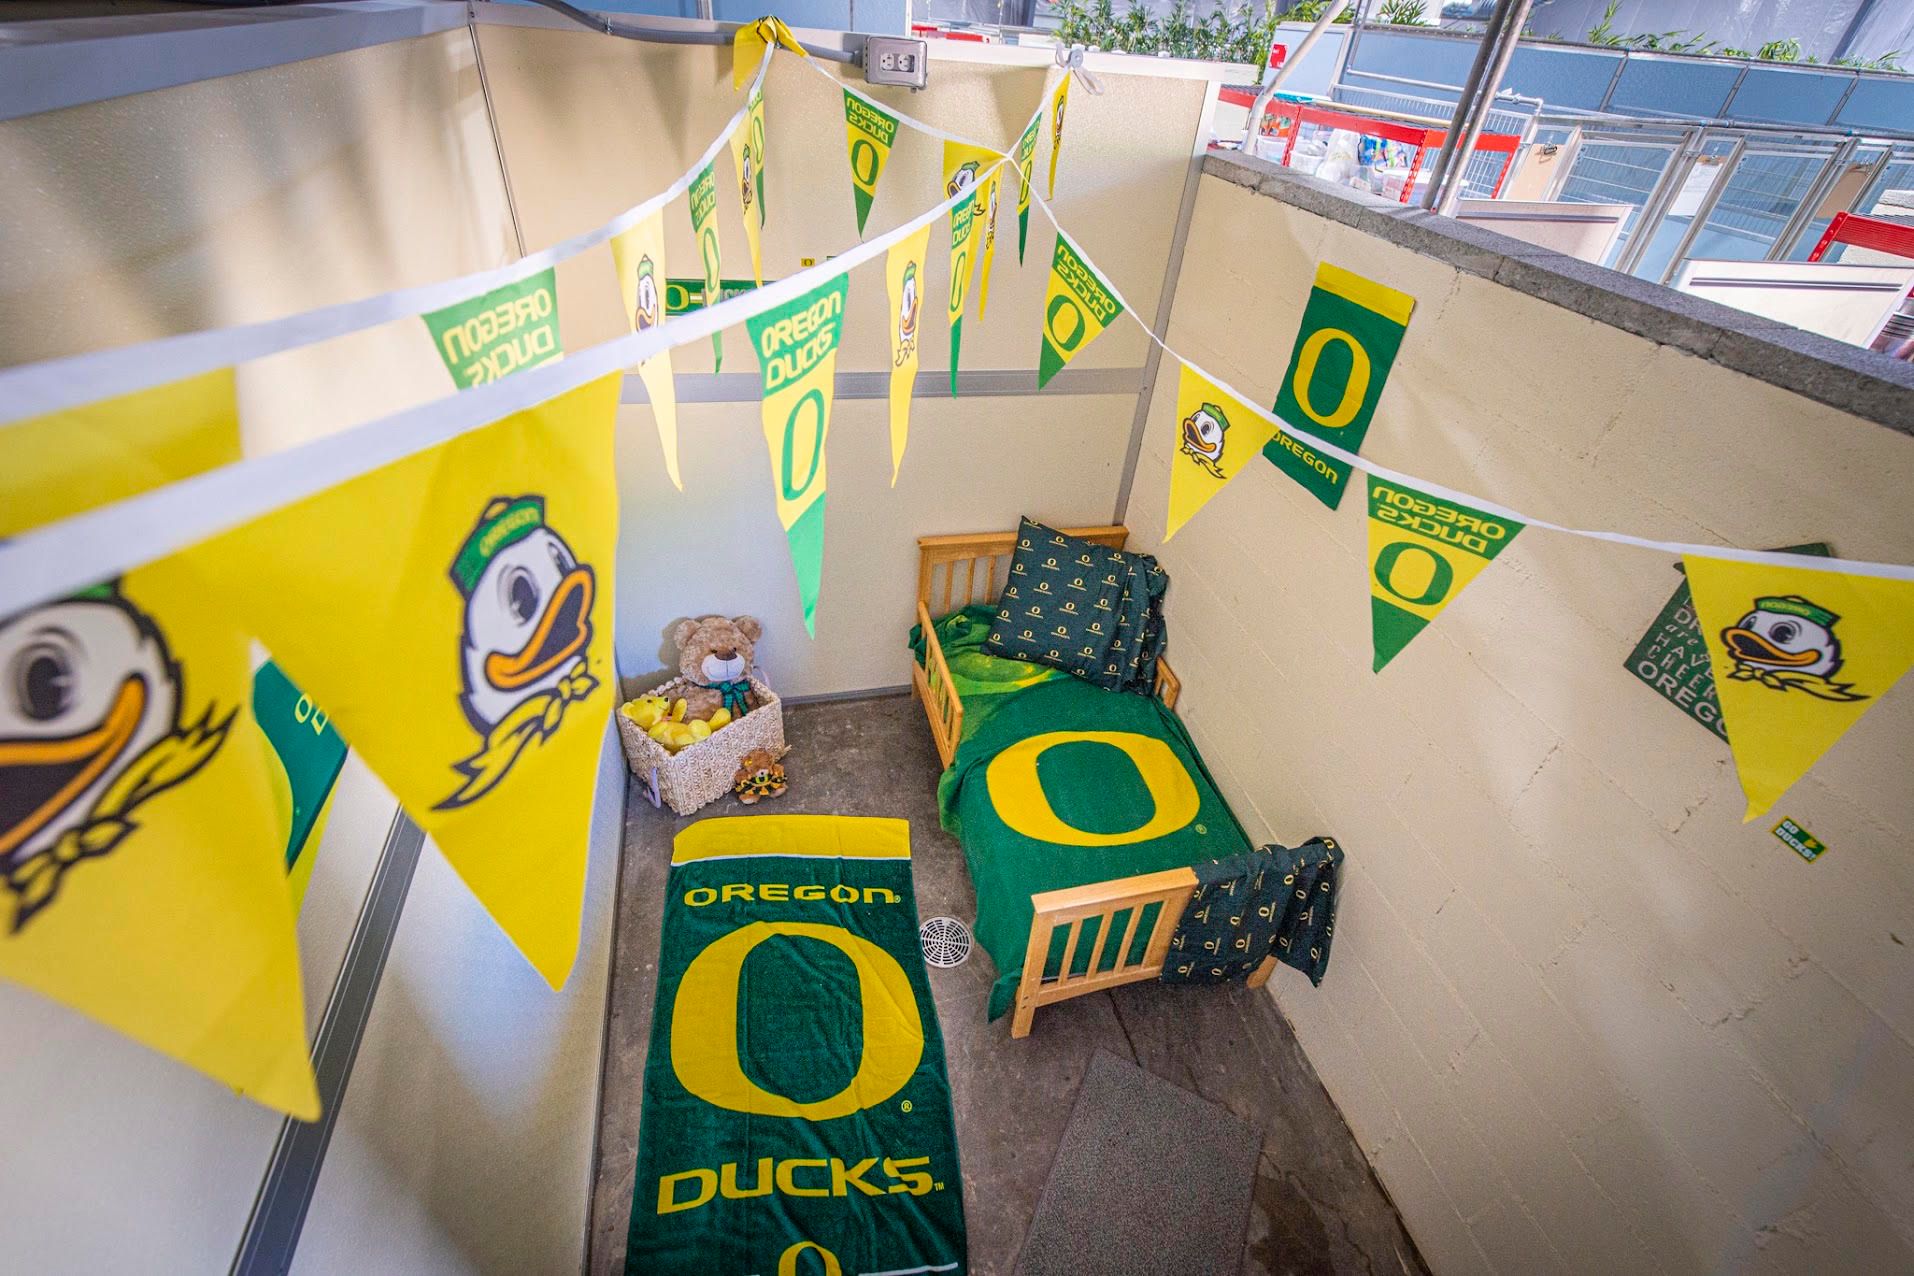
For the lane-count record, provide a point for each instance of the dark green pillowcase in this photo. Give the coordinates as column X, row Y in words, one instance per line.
column 1081, row 607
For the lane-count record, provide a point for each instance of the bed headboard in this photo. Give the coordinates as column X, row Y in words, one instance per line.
column 956, row 571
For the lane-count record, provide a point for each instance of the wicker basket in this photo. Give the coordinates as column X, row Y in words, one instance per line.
column 701, row 772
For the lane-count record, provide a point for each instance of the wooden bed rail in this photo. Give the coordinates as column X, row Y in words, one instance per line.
column 931, row 681
column 1070, row 910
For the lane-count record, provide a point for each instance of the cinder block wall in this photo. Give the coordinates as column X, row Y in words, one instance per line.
column 1580, row 1016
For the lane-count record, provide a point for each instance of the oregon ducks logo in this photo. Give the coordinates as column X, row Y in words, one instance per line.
column 704, row 1026
column 909, row 299
column 1788, row 644
column 646, row 309
column 90, row 730
column 990, row 218
column 1016, row 788
column 1202, row 439
column 526, row 633
column 747, row 175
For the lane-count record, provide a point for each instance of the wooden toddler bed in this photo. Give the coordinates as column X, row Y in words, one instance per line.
column 956, row 572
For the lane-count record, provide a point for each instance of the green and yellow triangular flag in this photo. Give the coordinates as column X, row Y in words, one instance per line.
column 704, row 229
column 1798, row 656
column 870, row 131
column 904, row 277
column 1423, row 551
column 509, row 329
column 797, row 345
column 963, row 176
column 1077, row 306
column 1026, row 156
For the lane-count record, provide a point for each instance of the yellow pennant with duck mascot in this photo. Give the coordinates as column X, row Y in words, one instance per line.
column 453, row 611
column 1798, row 656
column 143, row 823
column 638, row 255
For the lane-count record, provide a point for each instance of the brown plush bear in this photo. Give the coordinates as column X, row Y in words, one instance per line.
column 716, row 654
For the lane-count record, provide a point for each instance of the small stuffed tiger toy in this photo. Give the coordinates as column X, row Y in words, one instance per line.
column 760, row 776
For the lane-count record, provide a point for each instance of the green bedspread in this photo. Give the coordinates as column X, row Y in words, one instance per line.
column 981, row 680
column 1065, row 784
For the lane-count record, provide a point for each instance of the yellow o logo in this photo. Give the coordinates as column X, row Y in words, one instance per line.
column 1353, row 390
column 704, row 1026
column 788, row 1260
column 1016, row 790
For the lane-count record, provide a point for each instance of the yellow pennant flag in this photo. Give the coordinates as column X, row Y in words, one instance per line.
column 453, row 613
column 1798, row 656
column 1216, row 435
column 1058, row 100
column 797, row 345
column 987, row 209
column 1424, row 549
column 748, row 45
column 964, row 167
column 639, row 257
column 904, row 273
column 747, row 160
column 143, row 825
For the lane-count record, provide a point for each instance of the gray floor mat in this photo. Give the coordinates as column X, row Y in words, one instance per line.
column 1149, row 1179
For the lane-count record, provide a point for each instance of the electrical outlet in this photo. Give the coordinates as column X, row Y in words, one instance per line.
column 892, row 59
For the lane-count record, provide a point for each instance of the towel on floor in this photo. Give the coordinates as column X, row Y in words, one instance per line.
column 1276, row 900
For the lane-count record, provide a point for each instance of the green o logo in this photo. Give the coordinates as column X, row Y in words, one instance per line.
column 1441, row 575
column 959, row 278
column 1354, row 390
column 708, row 248
column 677, row 297
column 864, row 162
column 815, row 399
column 1062, row 306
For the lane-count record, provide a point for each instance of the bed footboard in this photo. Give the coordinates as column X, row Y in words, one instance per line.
column 1071, row 911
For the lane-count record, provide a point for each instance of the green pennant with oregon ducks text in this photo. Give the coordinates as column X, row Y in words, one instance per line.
column 501, row 332
column 1423, row 551
column 704, row 229
column 1026, row 156
column 870, row 131
column 1351, row 330
column 797, row 359
column 1076, row 307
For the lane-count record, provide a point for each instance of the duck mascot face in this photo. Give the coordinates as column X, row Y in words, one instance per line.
column 526, row 632
column 962, row 180
column 908, row 300
column 648, row 309
column 1788, row 643
column 747, row 171
column 1202, row 440
column 89, row 730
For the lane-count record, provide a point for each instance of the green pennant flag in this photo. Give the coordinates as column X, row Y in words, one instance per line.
column 870, row 132
column 797, row 345
column 1423, row 551
column 311, row 754
column 1026, row 156
column 500, row 332
column 1351, row 330
column 704, row 229
column 1077, row 306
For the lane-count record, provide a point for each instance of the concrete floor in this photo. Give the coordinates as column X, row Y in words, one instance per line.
column 1317, row 1206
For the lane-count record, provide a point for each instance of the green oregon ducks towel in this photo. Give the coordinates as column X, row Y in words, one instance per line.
column 1067, row 784
column 797, row 1115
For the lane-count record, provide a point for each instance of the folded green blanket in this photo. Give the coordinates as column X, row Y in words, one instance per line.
column 1066, row 784
column 981, row 680
column 1276, row 900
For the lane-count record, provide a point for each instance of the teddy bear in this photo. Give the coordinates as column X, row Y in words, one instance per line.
column 716, row 654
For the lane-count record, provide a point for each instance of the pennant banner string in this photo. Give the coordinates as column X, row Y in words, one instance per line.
column 62, row 558
column 77, row 552
column 59, row 384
